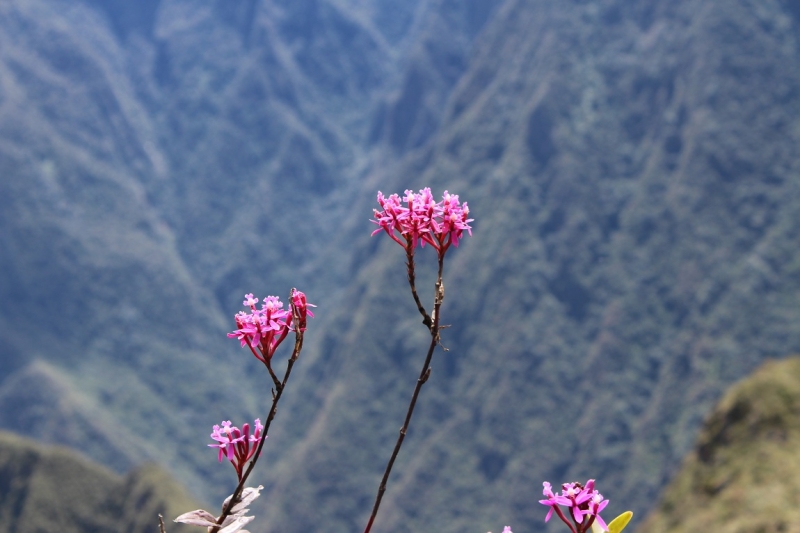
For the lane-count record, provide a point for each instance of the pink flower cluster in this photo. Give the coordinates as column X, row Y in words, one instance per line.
column 581, row 502
column 422, row 220
column 263, row 330
column 238, row 445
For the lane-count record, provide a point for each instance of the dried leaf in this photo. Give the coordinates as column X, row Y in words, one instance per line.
column 248, row 496
column 197, row 518
column 237, row 524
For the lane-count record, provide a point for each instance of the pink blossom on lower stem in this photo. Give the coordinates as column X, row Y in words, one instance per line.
column 577, row 495
column 597, row 504
column 225, row 439
column 552, row 500
column 582, row 501
column 262, row 330
column 238, row 445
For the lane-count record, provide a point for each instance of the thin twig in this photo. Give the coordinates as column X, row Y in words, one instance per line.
column 423, row 377
column 426, row 319
column 275, row 379
column 161, row 526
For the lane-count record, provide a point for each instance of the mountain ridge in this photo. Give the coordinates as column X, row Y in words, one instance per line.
column 629, row 165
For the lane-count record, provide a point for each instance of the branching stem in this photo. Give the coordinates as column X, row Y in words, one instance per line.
column 423, row 375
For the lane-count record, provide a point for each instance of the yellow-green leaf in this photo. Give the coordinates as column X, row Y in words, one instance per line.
column 619, row 523
column 616, row 525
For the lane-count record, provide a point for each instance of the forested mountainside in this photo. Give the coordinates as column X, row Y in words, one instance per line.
column 631, row 166
column 742, row 474
column 51, row 488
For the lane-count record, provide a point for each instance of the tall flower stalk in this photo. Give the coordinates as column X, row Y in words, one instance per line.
column 419, row 222
column 262, row 331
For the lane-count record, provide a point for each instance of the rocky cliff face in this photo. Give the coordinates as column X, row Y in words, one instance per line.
column 631, row 167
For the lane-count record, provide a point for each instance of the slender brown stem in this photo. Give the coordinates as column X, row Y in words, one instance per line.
column 412, row 277
column 280, row 386
column 161, row 526
column 263, row 357
column 423, row 377
column 275, row 379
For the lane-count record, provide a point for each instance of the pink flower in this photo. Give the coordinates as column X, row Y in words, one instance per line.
column 237, row 445
column 553, row 500
column 581, row 501
column 418, row 219
column 263, row 330
column 226, row 439
column 577, row 495
column 596, row 505
column 422, row 220
column 388, row 218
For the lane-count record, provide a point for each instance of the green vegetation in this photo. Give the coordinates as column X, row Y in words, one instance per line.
column 633, row 174
column 744, row 474
column 49, row 488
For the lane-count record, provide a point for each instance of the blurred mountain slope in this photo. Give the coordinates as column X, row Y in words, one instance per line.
column 92, row 280
column 742, row 474
column 159, row 161
column 632, row 171
column 631, row 167
column 47, row 488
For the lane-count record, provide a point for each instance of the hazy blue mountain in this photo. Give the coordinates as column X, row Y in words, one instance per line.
column 631, row 167
column 632, row 171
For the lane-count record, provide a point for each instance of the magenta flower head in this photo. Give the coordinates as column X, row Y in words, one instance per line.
column 263, row 330
column 422, row 220
column 583, row 504
column 237, row 445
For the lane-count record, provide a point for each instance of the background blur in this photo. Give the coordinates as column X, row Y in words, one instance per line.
column 631, row 166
